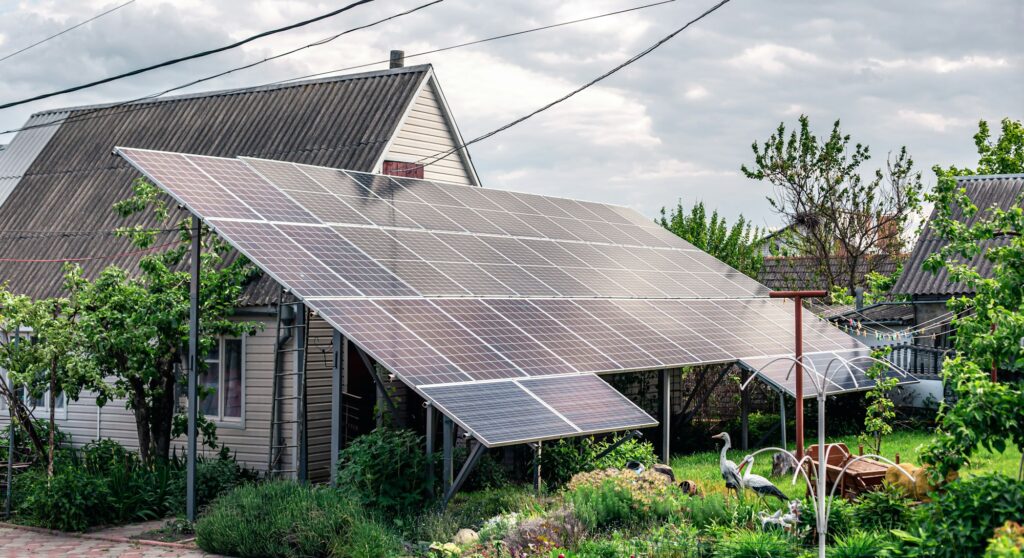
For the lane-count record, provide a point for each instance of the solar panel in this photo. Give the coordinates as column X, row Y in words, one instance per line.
column 496, row 306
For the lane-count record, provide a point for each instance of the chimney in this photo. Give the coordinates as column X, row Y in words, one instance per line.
column 397, row 59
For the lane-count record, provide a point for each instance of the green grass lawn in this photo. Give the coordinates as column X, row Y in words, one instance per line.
column 703, row 467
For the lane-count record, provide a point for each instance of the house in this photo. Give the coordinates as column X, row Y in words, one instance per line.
column 59, row 180
column 930, row 291
column 787, row 273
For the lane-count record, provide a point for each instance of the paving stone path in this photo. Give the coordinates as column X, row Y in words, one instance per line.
column 19, row 543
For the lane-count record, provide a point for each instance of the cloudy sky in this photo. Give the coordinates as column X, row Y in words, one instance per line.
column 677, row 124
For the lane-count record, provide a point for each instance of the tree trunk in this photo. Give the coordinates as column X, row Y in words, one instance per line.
column 142, row 415
column 53, row 422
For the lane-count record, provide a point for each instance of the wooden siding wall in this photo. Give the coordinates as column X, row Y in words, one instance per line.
column 426, row 132
column 319, row 364
column 248, row 440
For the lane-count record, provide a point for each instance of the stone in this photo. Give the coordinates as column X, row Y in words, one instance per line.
column 465, row 537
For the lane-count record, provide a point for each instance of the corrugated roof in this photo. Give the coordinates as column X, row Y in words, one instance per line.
column 1000, row 191
column 785, row 273
column 16, row 157
column 73, row 180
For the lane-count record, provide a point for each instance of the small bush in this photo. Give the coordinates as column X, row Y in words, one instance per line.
column 285, row 519
column 756, row 544
column 842, row 518
column 884, row 509
column 214, row 476
column 561, row 460
column 703, row 512
column 72, row 500
column 860, row 544
column 1008, row 542
column 614, row 497
column 386, row 469
column 534, row 536
column 960, row 521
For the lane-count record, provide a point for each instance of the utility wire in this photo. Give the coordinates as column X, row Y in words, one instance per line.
column 437, row 157
column 90, row 114
column 186, row 58
column 72, row 28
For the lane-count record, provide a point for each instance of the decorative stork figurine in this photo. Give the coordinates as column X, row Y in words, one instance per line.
column 730, row 473
column 757, row 483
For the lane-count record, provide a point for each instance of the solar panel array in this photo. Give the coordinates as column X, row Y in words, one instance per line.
column 446, row 284
column 837, row 371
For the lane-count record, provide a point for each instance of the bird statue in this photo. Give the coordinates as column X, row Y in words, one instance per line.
column 757, row 483
column 730, row 472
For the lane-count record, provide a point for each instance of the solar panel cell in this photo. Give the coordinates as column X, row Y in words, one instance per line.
column 328, row 208
column 423, row 277
column 588, row 402
column 263, row 197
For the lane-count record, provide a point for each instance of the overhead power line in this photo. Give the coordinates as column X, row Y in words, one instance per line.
column 105, row 111
column 69, row 29
column 439, row 156
column 186, row 58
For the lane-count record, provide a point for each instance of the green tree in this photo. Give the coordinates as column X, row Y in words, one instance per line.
column 990, row 323
column 840, row 218
column 1005, row 155
column 44, row 357
column 880, row 409
column 736, row 245
column 136, row 323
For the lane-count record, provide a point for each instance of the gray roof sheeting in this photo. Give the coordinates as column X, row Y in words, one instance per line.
column 16, row 157
column 1000, row 191
column 73, row 178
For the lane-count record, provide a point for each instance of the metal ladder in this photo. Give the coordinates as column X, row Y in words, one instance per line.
column 292, row 320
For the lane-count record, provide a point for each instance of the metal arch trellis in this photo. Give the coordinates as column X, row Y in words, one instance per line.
column 823, row 506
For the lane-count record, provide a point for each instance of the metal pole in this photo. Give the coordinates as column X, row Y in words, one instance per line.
column 336, row 405
column 537, row 454
column 744, row 413
column 193, row 371
column 822, row 520
column 430, row 449
column 8, row 500
column 447, row 466
column 798, row 354
column 782, row 417
column 666, row 416
column 302, row 323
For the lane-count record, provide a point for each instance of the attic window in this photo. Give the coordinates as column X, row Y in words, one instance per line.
column 407, row 170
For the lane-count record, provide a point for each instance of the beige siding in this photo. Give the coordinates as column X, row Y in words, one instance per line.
column 425, row 133
column 319, row 365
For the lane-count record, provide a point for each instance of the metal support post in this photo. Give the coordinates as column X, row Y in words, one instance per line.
column 430, row 449
column 381, row 388
column 782, row 417
column 467, row 468
column 302, row 470
column 193, row 371
column 337, row 404
column 666, row 415
column 447, row 466
column 537, row 478
column 744, row 413
column 798, row 355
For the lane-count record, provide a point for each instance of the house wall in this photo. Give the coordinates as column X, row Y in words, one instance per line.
column 426, row 132
column 248, row 440
column 928, row 311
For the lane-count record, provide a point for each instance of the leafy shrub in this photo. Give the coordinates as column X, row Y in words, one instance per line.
column 488, row 473
column 386, row 468
column 102, row 456
column 563, row 459
column 883, row 509
column 960, row 521
column 668, row 541
column 714, row 510
column 499, row 526
column 559, row 529
column 1008, row 542
column 756, row 544
column 860, row 544
column 842, row 518
column 614, row 497
column 23, row 449
column 70, row 501
column 285, row 519
column 214, row 476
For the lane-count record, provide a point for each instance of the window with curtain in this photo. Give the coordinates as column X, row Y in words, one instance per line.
column 222, row 381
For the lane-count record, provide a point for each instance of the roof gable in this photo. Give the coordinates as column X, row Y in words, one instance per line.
column 72, row 180
column 985, row 192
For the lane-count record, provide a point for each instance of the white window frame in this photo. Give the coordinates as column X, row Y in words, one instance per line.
column 219, row 419
column 39, row 412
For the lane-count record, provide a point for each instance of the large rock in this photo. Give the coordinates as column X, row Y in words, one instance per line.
column 465, row 537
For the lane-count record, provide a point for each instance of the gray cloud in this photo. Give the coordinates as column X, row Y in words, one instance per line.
column 678, row 124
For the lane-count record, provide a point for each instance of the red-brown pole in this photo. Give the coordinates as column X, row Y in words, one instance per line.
column 995, row 375
column 798, row 353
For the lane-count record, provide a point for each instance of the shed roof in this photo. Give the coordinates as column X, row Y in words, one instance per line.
column 985, row 192
column 64, row 177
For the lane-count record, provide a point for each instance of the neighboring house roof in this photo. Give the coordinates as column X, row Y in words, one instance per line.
column 1001, row 191
column 64, row 177
column 783, row 273
column 884, row 313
